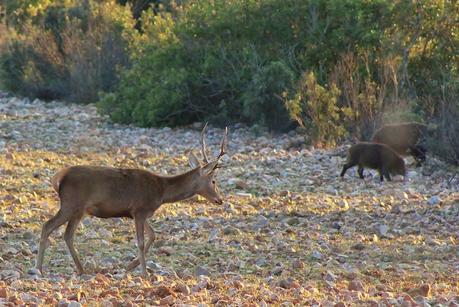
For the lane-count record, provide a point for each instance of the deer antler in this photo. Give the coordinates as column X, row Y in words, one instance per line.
column 223, row 144
column 203, row 145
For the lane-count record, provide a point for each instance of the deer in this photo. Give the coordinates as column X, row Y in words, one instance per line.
column 107, row 192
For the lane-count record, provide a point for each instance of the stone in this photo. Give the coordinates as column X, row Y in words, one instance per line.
column 317, row 255
column 168, row 300
column 289, row 283
column 28, row 235
column 383, row 229
column 356, row 285
column 297, row 264
column 201, row 271
column 63, row 303
column 343, row 204
column 9, row 275
column 434, row 200
column 4, row 293
column 230, row 230
column 423, row 290
column 33, row 271
column 182, row 288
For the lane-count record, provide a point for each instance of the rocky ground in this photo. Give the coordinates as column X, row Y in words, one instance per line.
column 291, row 232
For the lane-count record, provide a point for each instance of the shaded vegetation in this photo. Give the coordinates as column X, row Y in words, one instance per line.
column 168, row 63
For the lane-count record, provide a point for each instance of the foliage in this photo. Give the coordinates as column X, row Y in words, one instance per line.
column 315, row 107
column 230, row 61
column 444, row 142
column 69, row 52
column 263, row 102
column 233, row 51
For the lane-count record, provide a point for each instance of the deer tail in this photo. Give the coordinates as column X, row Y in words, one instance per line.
column 57, row 179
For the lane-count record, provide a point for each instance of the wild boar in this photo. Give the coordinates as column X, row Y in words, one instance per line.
column 375, row 156
column 404, row 138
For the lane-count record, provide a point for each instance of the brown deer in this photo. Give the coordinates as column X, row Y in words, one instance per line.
column 134, row 193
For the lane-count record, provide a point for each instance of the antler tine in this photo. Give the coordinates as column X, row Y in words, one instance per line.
column 223, row 144
column 203, row 145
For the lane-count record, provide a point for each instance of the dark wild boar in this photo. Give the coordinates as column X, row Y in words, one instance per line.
column 404, row 138
column 375, row 156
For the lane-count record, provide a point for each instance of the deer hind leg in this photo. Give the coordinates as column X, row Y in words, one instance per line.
column 139, row 229
column 68, row 237
column 151, row 238
column 52, row 224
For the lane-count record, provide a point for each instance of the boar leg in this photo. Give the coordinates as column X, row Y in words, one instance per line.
column 418, row 153
column 360, row 171
column 381, row 177
column 386, row 174
column 345, row 168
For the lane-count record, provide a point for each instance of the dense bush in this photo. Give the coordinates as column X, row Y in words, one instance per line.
column 316, row 108
column 263, row 102
column 239, row 56
column 69, row 52
column 239, row 60
column 445, row 141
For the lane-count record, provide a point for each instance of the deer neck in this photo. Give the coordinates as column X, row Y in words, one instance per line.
column 180, row 187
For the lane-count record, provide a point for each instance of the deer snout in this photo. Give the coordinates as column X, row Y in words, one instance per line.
column 219, row 201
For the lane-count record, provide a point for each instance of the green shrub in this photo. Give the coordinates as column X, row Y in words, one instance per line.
column 316, row 108
column 239, row 56
column 158, row 93
column 444, row 142
column 155, row 91
column 230, row 61
column 263, row 102
column 69, row 52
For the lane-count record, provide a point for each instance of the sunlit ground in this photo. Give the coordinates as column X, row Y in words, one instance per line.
column 310, row 238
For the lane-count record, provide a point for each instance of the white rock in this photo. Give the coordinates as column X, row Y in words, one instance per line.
column 9, row 275
column 33, row 271
column 383, row 229
column 434, row 200
column 317, row 255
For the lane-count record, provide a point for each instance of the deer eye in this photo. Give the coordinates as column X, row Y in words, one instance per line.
column 213, row 181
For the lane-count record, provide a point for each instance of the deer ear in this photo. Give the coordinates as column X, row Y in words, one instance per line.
column 209, row 168
column 193, row 161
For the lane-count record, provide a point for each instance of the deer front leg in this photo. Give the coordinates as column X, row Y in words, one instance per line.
column 151, row 238
column 139, row 229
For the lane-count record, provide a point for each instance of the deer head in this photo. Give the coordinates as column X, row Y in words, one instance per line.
column 207, row 186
